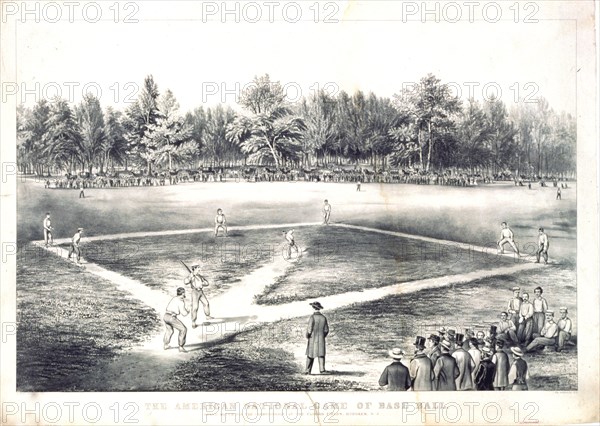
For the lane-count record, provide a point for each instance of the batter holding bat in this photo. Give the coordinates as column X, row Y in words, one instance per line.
column 197, row 282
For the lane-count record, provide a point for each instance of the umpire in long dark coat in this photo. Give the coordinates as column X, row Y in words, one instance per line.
column 316, row 332
column 486, row 371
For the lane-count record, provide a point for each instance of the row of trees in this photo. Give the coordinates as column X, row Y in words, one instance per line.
column 426, row 128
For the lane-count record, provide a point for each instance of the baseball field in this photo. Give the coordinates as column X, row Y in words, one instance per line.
column 397, row 261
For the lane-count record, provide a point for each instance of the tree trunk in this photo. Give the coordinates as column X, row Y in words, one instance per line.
column 430, row 150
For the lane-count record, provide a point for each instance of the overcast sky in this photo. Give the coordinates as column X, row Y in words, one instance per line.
column 187, row 49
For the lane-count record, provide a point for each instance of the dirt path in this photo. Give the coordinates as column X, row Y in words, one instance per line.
column 144, row 367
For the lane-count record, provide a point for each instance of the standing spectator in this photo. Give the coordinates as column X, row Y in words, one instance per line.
column 565, row 326
column 475, row 354
column 421, row 367
column 326, row 212
column 543, row 245
column 500, row 359
column 395, row 376
column 445, row 370
column 175, row 308
column 514, row 305
column 480, row 339
column 540, row 306
column 547, row 336
column 525, row 329
column 507, row 329
column 75, row 245
column 518, row 373
column 316, row 332
column 485, row 371
column 451, row 336
column 47, row 223
column 434, row 351
column 465, row 364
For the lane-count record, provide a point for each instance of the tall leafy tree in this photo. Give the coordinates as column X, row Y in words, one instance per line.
column 62, row 140
column 168, row 138
column 115, row 144
column 91, row 126
column 139, row 117
column 272, row 133
column 434, row 107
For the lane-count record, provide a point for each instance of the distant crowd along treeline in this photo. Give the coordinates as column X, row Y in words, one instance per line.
column 427, row 129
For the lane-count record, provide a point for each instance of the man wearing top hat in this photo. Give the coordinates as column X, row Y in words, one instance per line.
column 514, row 305
column 434, row 351
column 451, row 337
column 421, row 367
column 395, row 376
column 518, row 373
column 548, row 334
column 485, row 371
column 316, row 332
column 565, row 326
column 465, row 364
column 507, row 330
column 445, row 370
column 500, row 359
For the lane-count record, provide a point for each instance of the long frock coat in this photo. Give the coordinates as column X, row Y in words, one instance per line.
column 466, row 365
column 445, row 371
column 421, row 373
column 316, row 332
column 500, row 358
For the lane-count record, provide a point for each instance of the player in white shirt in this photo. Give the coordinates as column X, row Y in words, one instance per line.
column 506, row 236
column 175, row 308
column 220, row 222
column 326, row 212
column 289, row 237
column 47, row 223
column 543, row 244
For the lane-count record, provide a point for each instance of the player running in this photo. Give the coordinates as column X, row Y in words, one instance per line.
column 48, row 230
column 506, row 236
column 220, row 222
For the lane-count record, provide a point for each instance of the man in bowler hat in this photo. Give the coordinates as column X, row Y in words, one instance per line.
column 421, row 367
column 395, row 376
column 316, row 332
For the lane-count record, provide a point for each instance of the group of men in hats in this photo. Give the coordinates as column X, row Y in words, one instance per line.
column 451, row 362
column 531, row 325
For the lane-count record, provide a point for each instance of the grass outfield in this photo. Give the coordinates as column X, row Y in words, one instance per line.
column 84, row 321
column 68, row 321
